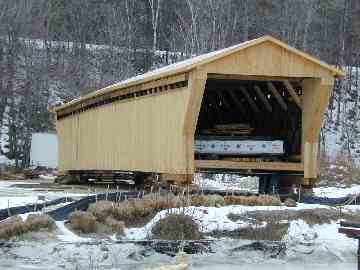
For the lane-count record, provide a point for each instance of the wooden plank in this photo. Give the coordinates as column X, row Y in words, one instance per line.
column 239, row 77
column 268, row 166
column 293, row 93
column 262, row 97
column 202, row 61
column 237, row 101
column 223, row 99
column 277, row 96
column 248, row 98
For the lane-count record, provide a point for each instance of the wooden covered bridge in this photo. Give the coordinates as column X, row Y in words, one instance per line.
column 254, row 108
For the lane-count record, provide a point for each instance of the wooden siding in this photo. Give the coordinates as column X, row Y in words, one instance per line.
column 268, row 59
column 155, row 132
column 145, row 134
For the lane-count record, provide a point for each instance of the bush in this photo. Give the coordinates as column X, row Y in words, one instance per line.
column 101, row 210
column 290, row 202
column 262, row 200
column 139, row 211
column 12, row 227
column 15, row 226
column 36, row 222
column 117, row 227
column 176, row 227
column 83, row 221
column 208, row 201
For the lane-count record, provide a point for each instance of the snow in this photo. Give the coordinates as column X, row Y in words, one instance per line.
column 211, row 219
column 6, row 202
column 47, row 176
column 66, row 235
column 228, row 182
column 336, row 192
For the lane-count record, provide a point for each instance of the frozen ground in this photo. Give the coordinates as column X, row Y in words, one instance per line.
column 336, row 192
column 227, row 182
column 16, row 193
column 64, row 249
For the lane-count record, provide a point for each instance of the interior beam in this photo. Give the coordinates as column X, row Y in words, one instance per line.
column 237, row 101
column 293, row 93
column 223, row 99
column 277, row 96
column 262, row 97
column 249, row 99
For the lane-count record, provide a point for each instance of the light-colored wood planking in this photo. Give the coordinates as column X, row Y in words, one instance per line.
column 277, row 96
column 316, row 95
column 141, row 135
column 293, row 93
column 196, row 86
column 186, row 66
column 155, row 133
column 251, row 77
column 267, row 59
column 240, row 165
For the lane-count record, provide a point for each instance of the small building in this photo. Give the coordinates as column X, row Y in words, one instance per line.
column 254, row 108
column 44, row 150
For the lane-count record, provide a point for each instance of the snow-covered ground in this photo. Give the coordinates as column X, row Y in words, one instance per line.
column 336, row 192
column 227, row 182
column 211, row 219
column 16, row 196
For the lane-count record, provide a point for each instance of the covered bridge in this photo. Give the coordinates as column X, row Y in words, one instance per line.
column 256, row 107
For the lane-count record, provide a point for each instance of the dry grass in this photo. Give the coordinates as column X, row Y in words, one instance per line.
column 290, row 202
column 116, row 226
column 140, row 211
column 83, row 221
column 262, row 200
column 310, row 216
column 273, row 231
column 38, row 222
column 176, row 227
column 343, row 170
column 208, row 201
column 15, row 226
column 101, row 210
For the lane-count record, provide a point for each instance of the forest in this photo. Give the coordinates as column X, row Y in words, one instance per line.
column 52, row 51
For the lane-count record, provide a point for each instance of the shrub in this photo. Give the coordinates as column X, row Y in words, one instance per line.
column 290, row 202
column 208, row 201
column 83, row 221
column 15, row 226
column 116, row 226
column 36, row 222
column 176, row 227
column 139, row 211
column 12, row 227
column 101, row 210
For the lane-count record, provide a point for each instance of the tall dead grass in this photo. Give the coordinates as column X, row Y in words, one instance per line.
column 15, row 226
column 176, row 227
column 261, row 200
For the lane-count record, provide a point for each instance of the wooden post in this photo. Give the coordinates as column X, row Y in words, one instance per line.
column 316, row 95
column 196, row 85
